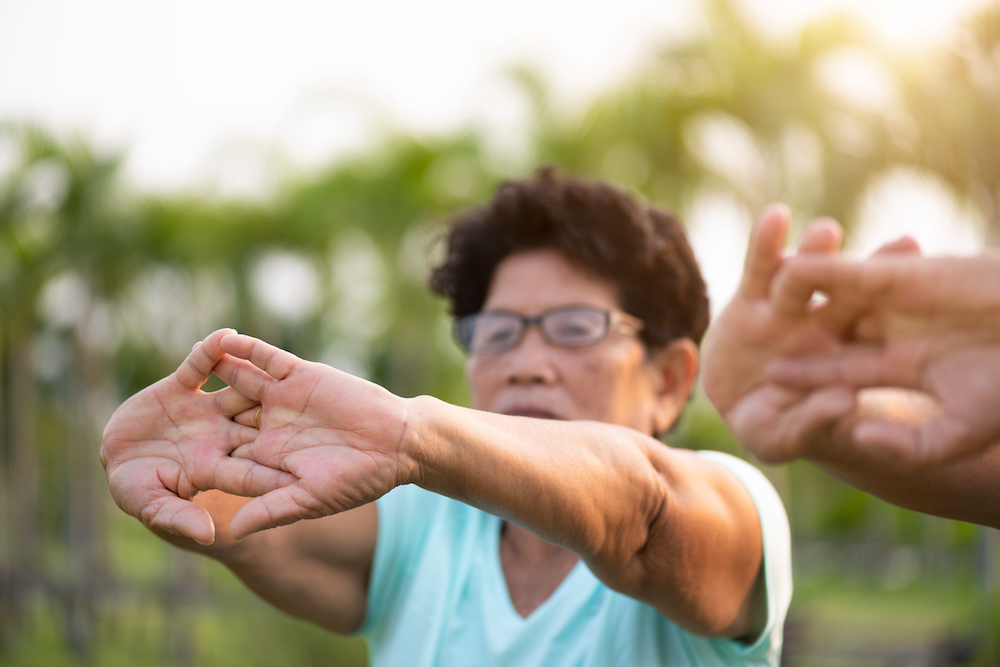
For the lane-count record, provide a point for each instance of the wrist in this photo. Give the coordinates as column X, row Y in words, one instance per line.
column 415, row 450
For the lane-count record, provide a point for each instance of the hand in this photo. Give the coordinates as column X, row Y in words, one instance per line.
column 773, row 422
column 930, row 324
column 340, row 436
column 172, row 440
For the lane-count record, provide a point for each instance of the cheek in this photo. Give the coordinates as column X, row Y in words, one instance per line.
column 604, row 383
column 479, row 380
column 617, row 387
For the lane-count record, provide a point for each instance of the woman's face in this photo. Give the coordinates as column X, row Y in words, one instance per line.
column 611, row 381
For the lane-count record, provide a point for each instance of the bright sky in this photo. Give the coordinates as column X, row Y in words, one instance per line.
column 178, row 83
column 194, row 89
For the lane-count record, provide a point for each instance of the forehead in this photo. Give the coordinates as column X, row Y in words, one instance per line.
column 532, row 281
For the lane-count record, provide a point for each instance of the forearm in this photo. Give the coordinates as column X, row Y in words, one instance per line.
column 662, row 525
column 316, row 570
column 586, row 486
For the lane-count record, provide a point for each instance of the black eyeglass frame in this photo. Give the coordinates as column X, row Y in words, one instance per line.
column 464, row 327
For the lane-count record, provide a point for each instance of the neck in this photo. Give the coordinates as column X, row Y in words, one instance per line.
column 527, row 547
column 532, row 567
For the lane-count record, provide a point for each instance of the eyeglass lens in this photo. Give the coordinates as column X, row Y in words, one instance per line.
column 490, row 333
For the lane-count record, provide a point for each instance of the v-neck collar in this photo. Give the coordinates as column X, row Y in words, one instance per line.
column 574, row 584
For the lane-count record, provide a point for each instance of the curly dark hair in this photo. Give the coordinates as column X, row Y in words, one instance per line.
column 641, row 249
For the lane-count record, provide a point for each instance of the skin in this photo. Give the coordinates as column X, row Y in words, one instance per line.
column 925, row 324
column 171, row 440
column 778, row 421
column 664, row 526
column 610, row 383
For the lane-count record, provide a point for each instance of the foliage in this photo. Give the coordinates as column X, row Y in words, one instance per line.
column 103, row 290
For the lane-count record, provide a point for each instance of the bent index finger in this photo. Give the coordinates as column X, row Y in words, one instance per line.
column 836, row 277
column 197, row 367
column 272, row 360
column 843, row 279
column 791, row 298
column 248, row 381
column 767, row 241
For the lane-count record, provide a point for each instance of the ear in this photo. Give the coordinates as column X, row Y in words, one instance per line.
column 674, row 370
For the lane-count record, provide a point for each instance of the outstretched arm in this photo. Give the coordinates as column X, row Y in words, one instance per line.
column 927, row 324
column 667, row 527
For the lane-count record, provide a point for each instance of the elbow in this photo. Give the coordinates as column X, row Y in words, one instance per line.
column 710, row 611
column 629, row 547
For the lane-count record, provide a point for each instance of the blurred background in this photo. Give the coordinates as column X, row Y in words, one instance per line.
column 286, row 170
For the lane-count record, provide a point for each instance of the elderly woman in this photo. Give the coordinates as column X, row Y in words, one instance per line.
column 546, row 526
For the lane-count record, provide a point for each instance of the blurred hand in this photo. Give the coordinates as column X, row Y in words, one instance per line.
column 171, row 440
column 929, row 324
column 339, row 435
column 774, row 422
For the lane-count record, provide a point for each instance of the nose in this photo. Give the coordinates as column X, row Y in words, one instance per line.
column 530, row 362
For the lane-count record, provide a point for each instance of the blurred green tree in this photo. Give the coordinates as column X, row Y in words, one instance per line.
column 103, row 290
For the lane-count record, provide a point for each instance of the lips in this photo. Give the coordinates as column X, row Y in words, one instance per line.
column 530, row 411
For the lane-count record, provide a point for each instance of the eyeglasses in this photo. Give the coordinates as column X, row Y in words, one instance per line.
column 564, row 326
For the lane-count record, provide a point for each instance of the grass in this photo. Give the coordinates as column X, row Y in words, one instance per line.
column 833, row 624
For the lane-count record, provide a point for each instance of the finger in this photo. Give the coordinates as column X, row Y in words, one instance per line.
column 243, row 377
column 822, row 236
column 793, row 298
column 805, row 274
column 195, row 370
column 277, row 508
column 836, row 276
column 231, row 402
column 244, row 477
column 902, row 246
column 180, row 517
column 273, row 360
column 848, row 314
column 782, row 424
column 250, row 417
column 858, row 368
column 767, row 242
column 817, row 412
column 871, row 281
column 806, row 422
column 790, row 297
column 845, row 313
column 260, row 452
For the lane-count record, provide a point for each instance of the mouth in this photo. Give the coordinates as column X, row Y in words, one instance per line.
column 530, row 411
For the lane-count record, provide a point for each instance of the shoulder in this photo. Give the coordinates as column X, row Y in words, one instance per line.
column 760, row 488
column 777, row 543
